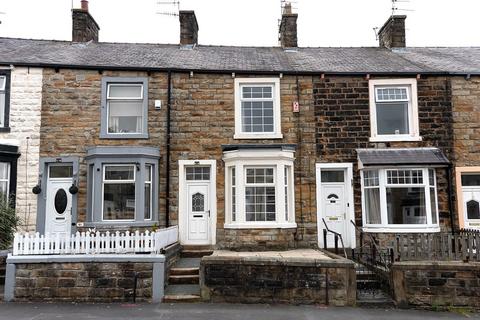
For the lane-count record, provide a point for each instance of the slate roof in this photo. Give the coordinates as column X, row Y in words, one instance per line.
column 238, row 59
column 398, row 157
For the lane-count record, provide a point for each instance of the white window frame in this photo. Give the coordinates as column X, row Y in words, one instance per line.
column 243, row 159
column 277, row 130
column 383, row 185
column 261, row 185
column 411, row 85
column 104, row 181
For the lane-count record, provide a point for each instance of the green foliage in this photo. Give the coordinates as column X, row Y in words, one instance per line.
column 8, row 222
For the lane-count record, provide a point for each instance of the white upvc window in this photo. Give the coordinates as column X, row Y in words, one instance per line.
column 399, row 200
column 394, row 110
column 257, row 108
column 259, row 189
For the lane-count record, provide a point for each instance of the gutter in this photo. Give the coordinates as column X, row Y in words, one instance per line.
column 230, row 71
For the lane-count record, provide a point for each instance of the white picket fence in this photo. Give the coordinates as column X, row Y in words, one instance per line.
column 95, row 243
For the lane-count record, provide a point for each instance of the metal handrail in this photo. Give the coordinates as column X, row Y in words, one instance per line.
column 372, row 240
column 336, row 234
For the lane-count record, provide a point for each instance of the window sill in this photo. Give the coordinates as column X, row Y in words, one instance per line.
column 274, row 225
column 400, row 229
column 395, row 138
column 258, row 136
column 124, row 136
column 117, row 224
column 4, row 129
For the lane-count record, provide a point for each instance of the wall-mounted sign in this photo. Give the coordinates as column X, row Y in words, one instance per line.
column 296, row 106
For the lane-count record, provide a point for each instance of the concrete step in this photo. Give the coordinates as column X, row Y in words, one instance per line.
column 184, row 271
column 182, row 289
column 374, row 298
column 183, row 279
column 188, row 298
column 368, row 284
column 195, row 253
column 188, row 263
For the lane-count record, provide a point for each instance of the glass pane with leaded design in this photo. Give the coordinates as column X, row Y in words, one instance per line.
column 198, row 202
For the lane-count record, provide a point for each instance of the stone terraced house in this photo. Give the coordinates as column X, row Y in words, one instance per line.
column 241, row 147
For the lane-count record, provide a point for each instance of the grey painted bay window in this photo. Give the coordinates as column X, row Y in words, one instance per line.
column 124, row 108
column 122, row 186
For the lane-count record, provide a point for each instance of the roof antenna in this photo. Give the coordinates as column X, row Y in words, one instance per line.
column 174, row 3
column 395, row 7
column 375, row 30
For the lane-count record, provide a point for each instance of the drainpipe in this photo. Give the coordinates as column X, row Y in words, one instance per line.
column 450, row 199
column 167, row 192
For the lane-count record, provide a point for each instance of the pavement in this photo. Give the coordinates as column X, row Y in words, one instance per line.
column 203, row 311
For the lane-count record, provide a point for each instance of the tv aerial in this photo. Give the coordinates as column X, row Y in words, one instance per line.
column 174, row 8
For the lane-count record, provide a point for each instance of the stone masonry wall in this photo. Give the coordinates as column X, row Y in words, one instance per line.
column 436, row 283
column 202, row 119
column 83, row 282
column 285, row 281
column 343, row 125
column 25, row 117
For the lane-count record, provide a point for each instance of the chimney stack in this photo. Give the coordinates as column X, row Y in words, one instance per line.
column 188, row 28
column 392, row 34
column 84, row 27
column 288, row 28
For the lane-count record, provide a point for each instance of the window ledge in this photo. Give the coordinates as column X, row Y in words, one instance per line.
column 420, row 229
column 395, row 138
column 117, row 224
column 124, row 136
column 273, row 225
column 258, row 136
column 4, row 129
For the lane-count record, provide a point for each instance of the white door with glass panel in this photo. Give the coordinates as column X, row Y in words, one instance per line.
column 198, row 204
column 58, row 213
column 471, row 200
column 333, row 203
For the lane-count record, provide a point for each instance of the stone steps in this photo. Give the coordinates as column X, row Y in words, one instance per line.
column 184, row 271
column 184, row 279
column 195, row 253
column 370, row 290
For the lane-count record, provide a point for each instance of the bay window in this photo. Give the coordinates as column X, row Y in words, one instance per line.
column 259, row 189
column 122, row 186
column 400, row 199
column 4, row 100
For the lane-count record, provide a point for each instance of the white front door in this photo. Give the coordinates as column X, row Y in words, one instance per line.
column 335, row 204
column 198, row 213
column 471, row 207
column 58, row 213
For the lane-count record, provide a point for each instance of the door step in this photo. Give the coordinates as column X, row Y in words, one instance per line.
column 184, row 271
column 184, row 279
column 188, row 298
column 197, row 253
column 182, row 293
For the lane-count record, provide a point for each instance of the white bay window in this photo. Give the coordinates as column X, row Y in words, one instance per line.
column 259, row 189
column 399, row 200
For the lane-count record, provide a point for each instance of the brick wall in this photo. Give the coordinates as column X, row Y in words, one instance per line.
column 343, row 125
column 83, row 282
column 25, row 106
column 436, row 283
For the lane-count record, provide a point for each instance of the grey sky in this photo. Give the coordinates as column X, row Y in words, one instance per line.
column 249, row 22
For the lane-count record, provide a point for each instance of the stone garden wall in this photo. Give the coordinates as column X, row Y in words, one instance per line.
column 429, row 283
column 298, row 280
column 85, row 278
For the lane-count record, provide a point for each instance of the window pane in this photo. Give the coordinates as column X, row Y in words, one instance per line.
column 372, row 205
column 148, row 201
column 406, row 206
column 197, row 173
column 473, row 209
column 2, row 83
column 119, row 172
column 119, row 201
column 260, row 203
column 286, row 181
column 233, row 194
column 125, row 116
column 2, row 109
column 332, row 176
column 257, row 92
column 148, row 172
column 259, row 175
column 370, row 178
column 470, row 180
column 392, row 118
column 257, row 116
column 60, row 172
column 133, row 91
column 4, row 189
column 392, row 94
column 433, row 205
column 404, row 176
column 431, row 177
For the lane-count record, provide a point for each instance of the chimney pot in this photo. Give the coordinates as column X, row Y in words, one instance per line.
column 288, row 28
column 188, row 28
column 84, row 27
column 84, row 5
column 392, row 34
